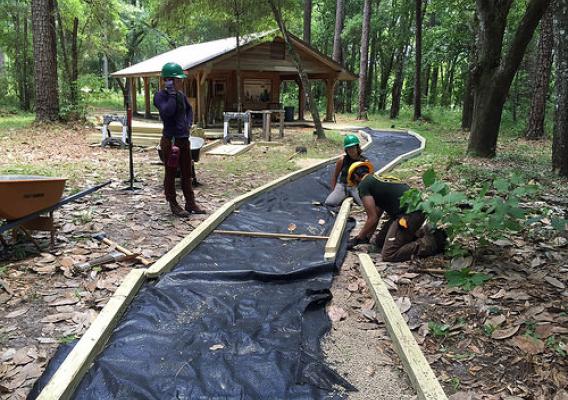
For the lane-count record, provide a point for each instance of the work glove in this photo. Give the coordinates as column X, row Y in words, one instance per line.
column 355, row 241
column 170, row 88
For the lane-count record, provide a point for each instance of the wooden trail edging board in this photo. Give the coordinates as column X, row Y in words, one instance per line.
column 334, row 241
column 70, row 373
column 413, row 360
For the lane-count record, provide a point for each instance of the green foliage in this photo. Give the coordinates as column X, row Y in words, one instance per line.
column 557, row 345
column 465, row 279
column 67, row 339
column 455, row 382
column 488, row 329
column 437, row 329
column 486, row 215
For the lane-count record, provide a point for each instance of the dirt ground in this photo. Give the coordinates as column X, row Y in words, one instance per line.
column 44, row 301
column 358, row 346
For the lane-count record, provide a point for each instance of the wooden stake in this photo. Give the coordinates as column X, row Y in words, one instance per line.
column 271, row 235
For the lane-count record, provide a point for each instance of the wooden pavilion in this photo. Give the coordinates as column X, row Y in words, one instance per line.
column 212, row 78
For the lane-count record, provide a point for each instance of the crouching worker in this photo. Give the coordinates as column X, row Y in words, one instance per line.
column 339, row 189
column 177, row 117
column 404, row 235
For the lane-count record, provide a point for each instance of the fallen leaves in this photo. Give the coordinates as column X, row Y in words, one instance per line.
column 555, row 282
column 529, row 344
column 336, row 314
column 17, row 313
column 501, row 334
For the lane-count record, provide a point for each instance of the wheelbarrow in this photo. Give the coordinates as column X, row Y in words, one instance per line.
column 25, row 199
column 196, row 143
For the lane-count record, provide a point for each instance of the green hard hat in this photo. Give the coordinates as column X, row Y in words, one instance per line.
column 172, row 70
column 350, row 141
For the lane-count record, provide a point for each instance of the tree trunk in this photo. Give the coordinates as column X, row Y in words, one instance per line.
column 385, row 74
column 337, row 54
column 308, row 21
column 62, row 40
column 467, row 108
column 397, row 86
column 514, row 99
column 45, row 56
column 74, row 90
column 18, row 59
column 447, row 88
column 339, row 20
column 426, row 82
column 494, row 75
column 27, row 93
column 353, row 60
column 418, row 64
column 364, row 59
column 560, row 136
column 298, row 63
column 535, row 128
column 371, row 74
column 434, row 87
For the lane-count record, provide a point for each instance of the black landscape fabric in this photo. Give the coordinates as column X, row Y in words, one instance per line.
column 238, row 317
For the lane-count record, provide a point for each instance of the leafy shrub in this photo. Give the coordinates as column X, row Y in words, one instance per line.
column 487, row 215
column 465, row 279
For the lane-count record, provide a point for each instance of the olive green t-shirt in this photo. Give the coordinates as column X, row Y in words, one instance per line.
column 386, row 193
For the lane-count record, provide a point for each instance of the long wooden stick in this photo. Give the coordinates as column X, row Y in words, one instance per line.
column 270, row 235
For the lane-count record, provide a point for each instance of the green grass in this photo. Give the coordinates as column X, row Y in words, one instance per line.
column 15, row 121
column 110, row 100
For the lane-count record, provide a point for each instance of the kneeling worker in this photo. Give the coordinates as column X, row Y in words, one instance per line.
column 402, row 236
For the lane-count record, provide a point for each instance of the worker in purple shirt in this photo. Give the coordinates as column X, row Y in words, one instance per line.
column 177, row 117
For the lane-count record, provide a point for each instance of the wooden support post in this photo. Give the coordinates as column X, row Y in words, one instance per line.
column 134, row 95
column 301, row 101
column 147, row 113
column 329, row 109
column 266, row 125
column 415, row 364
column 281, row 124
column 201, row 114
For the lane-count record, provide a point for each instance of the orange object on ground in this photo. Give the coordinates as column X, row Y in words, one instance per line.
column 22, row 195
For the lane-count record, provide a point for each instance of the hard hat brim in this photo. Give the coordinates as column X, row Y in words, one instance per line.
column 356, row 165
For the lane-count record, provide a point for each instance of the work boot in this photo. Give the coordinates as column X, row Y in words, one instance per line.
column 427, row 246
column 195, row 209
column 441, row 239
column 178, row 211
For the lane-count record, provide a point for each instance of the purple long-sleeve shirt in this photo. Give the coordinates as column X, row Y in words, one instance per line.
column 177, row 118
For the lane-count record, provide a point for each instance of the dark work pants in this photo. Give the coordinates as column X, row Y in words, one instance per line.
column 185, row 167
column 401, row 243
